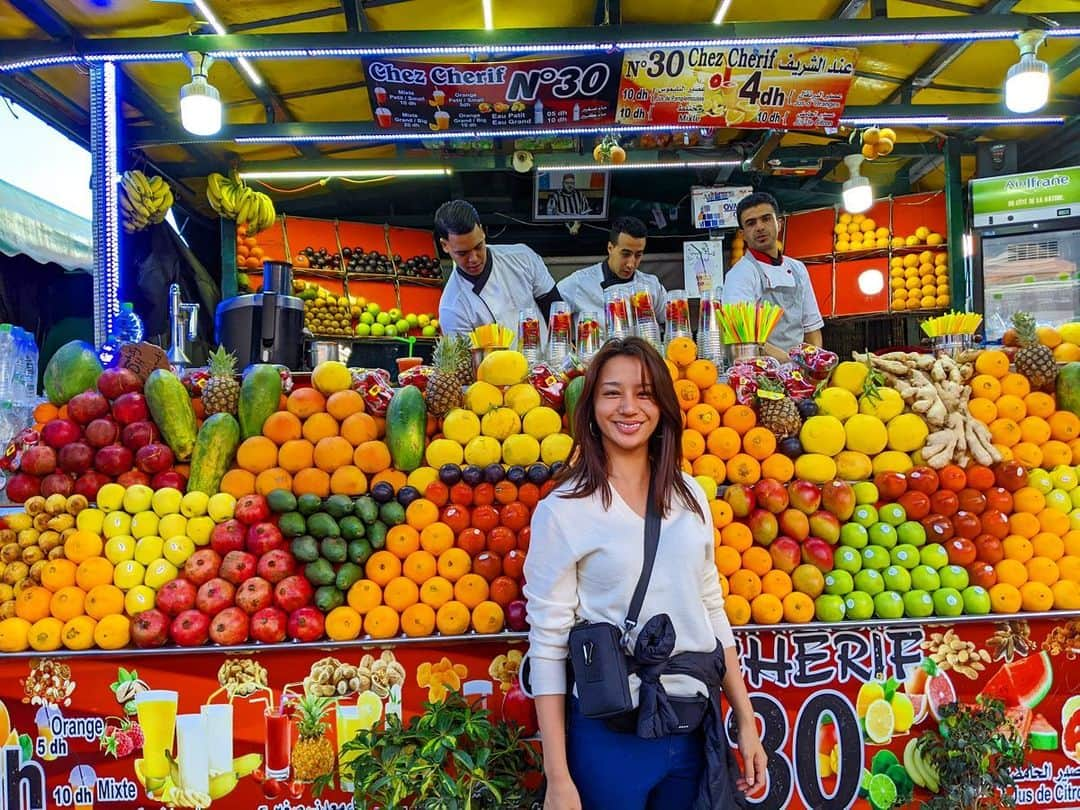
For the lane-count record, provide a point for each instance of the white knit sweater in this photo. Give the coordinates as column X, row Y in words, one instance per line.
column 583, row 564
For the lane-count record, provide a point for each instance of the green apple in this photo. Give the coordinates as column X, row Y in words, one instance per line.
column 948, row 602
column 883, row 534
column 865, row 492
column 383, row 318
column 875, row 557
column 853, row 535
column 869, row 581
column 423, row 320
column 1074, row 496
column 394, row 313
column 1064, row 477
column 1040, row 480
column 892, row 513
column 847, row 559
column 434, row 322
column 829, row 608
column 367, row 318
column 1074, row 516
column 391, row 331
column 412, row 320
column 976, row 600
column 897, row 579
column 934, row 555
column 865, row 515
column 888, row 605
column 918, row 604
column 859, row 605
column 953, row 576
column 378, row 330
column 911, row 532
column 1060, row 500
column 429, row 331
column 373, row 308
column 904, row 555
column 402, row 326
column 925, row 578
column 363, row 330
column 839, row 583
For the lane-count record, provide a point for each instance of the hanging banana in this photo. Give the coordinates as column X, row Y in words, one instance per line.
column 231, row 198
column 143, row 200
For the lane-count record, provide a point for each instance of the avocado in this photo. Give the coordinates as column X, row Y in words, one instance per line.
column 359, row 551
column 347, row 574
column 366, row 508
column 292, row 524
column 281, row 501
column 321, row 525
column 376, row 534
column 392, row 513
column 352, row 528
column 327, row 597
column 338, row 506
column 333, row 549
column 320, row 572
column 305, row 548
column 308, row 504
column 382, row 492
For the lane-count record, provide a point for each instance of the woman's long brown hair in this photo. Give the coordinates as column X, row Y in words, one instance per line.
column 587, row 470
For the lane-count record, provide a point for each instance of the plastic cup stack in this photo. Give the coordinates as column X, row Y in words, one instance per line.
column 710, row 341
column 590, row 335
column 677, row 316
column 559, row 333
column 645, row 325
column 528, row 335
column 617, row 312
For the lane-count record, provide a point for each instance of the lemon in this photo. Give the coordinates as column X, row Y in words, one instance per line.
column 368, row 709
column 868, row 693
column 166, row 501
column 1070, row 332
column 838, row 402
column 879, row 721
column 850, row 376
column 128, row 574
column 221, row 507
column 500, row 423
column 172, row 525
column 481, row 397
column 483, row 450
column 887, row 404
column 865, row 434
column 88, row 520
column 137, row 499
column 199, row 530
column 815, row 467
column 503, row 367
column 823, row 434
column 119, row 549
column 148, row 549
column 903, row 712
column 116, row 523
column 461, row 425
column 852, row 465
column 422, row 477
column 158, row 573
column 331, row 376
column 522, row 398
column 178, row 549
column 144, row 524
column 521, row 449
column 892, row 461
column 541, row 422
column 110, row 497
column 139, row 598
column 444, row 451
column 708, row 485
column 907, row 432
column 194, row 504
column 556, row 447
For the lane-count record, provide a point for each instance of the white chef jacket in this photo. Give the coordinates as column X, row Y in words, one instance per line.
column 518, row 277
column 787, row 284
column 584, row 289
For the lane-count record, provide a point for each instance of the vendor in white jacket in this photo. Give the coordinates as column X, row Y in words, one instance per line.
column 584, row 289
column 490, row 283
column 765, row 274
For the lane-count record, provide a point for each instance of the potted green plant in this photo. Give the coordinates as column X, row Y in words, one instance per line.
column 974, row 751
column 450, row 757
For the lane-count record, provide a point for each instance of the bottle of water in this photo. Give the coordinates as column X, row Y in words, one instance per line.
column 7, row 362
column 128, row 327
column 31, row 368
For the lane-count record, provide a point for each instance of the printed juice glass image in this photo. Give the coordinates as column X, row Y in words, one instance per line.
column 278, row 744
column 156, row 710
column 380, row 96
column 44, row 719
column 83, row 782
column 438, row 98
column 348, row 725
column 442, row 119
column 218, row 719
column 384, row 117
column 193, row 752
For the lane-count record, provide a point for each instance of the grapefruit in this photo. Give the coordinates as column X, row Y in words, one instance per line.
column 939, row 692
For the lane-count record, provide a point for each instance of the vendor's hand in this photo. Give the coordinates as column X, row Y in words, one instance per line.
column 754, row 759
column 562, row 795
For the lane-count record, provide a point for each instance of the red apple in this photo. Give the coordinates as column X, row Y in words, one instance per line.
column 795, row 524
column 741, row 499
column 771, row 495
column 890, row 486
column 982, row 573
column 150, row 629
column 805, row 496
column 229, row 627
column 923, row 479
column 22, row 486
column 763, row 526
column 989, row 549
column 517, row 616
column 59, row 432
column 102, row 432
column 214, row 596
column 114, row 459
column 786, row 554
column 191, row 628
column 130, row 408
column 176, row 596
column 84, row 408
column 826, row 526
column 292, row 593
column 939, row 529
column 89, row 483
column 139, row 434
column 202, row 566
column 306, row 624
column 967, row 525
column 133, row 477
column 40, row 459
column 227, row 536
column 818, row 553
column 57, row 483
column 154, row 458
column 117, row 381
column 76, row 458
column 838, row 497
column 916, row 504
column 269, row 625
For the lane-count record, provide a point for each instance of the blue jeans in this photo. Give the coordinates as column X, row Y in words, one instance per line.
column 617, row 771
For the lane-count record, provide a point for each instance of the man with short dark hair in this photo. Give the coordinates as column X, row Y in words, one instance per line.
column 584, row 289
column 489, row 283
column 765, row 274
column 569, row 200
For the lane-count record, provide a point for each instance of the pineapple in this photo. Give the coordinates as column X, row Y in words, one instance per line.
column 221, row 392
column 776, row 410
column 453, row 369
column 313, row 754
column 1033, row 360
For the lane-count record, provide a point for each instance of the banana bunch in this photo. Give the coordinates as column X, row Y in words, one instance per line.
column 143, row 200
column 922, row 772
column 233, row 199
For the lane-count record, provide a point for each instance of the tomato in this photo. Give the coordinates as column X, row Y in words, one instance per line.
column 501, row 539
column 529, row 494
column 995, row 523
column 524, row 537
column 890, row 486
column 961, row 551
column 923, row 479
column 473, row 541
column 488, row 565
column 1000, row 499
column 971, row 500
column 916, row 504
column 952, row 477
column 514, row 563
column 438, row 493
column 945, row 502
column 514, row 516
column 982, row 573
column 485, row 518
column 456, row 517
column 980, row 477
column 547, row 486
column 483, row 494
column 988, row 549
column 506, row 492
column 461, row 494
column 504, row 590
column 967, row 525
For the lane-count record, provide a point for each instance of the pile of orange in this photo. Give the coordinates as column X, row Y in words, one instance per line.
column 1024, row 425
column 316, row 444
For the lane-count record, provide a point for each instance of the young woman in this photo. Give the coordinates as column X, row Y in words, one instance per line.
column 584, row 563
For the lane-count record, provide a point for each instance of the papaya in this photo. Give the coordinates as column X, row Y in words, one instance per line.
column 1068, row 388
column 74, row 368
column 260, row 393
column 571, row 397
column 406, row 419
column 172, row 411
column 215, row 448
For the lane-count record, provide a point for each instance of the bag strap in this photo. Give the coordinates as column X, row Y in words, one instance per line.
column 652, row 542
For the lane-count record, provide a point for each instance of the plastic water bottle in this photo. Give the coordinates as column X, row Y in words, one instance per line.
column 31, row 367
column 128, row 327
column 7, row 362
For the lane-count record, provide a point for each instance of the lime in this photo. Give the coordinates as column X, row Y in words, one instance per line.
column 882, row 761
column 166, row 501
column 864, row 783
column 880, row 721
column 882, row 791
column 903, row 713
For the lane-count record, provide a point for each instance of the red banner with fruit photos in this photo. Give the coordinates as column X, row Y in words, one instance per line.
column 840, row 709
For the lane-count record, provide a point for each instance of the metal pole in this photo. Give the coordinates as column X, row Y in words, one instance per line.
column 104, row 149
column 954, row 224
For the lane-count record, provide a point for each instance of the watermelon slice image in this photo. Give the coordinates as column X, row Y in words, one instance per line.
column 1021, row 682
column 1042, row 735
column 1017, row 722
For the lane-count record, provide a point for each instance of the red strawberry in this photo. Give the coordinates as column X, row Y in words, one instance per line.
column 135, row 734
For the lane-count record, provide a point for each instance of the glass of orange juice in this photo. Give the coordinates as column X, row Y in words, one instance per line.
column 156, row 710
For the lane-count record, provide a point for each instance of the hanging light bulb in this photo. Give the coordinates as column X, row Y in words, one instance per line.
column 1027, row 84
column 858, row 195
column 200, row 101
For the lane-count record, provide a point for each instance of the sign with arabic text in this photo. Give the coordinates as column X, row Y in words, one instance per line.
column 746, row 87
column 1027, row 197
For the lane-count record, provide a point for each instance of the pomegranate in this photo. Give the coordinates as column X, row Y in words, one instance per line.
column 214, row 596
column 227, row 536
column 139, row 434
column 264, row 537
column 84, row 408
column 57, row 483
column 229, row 627
column 154, row 458
column 133, row 477
column 517, row 617
column 169, row 479
column 306, row 624
column 76, row 457
column 254, row 595
column 202, row 566
column 275, row 565
column 238, row 566
column 59, row 432
column 292, row 593
column 89, row 483
column 252, row 509
column 269, row 625
column 150, row 629
column 115, row 382
column 102, row 432
column 130, row 408
column 113, row 459
column 176, row 596
column 22, row 486
column 519, row 708
column 191, row 628
column 38, row 460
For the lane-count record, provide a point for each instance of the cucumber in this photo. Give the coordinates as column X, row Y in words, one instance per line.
column 406, row 421
column 170, row 406
column 571, row 397
column 260, row 394
column 215, row 448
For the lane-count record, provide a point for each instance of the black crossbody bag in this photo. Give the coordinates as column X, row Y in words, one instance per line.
column 598, row 657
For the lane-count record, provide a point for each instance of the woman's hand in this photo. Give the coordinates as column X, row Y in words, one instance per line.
column 754, row 759
column 562, row 795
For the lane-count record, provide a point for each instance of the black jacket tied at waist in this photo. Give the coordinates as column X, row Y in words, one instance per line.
column 656, row 716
